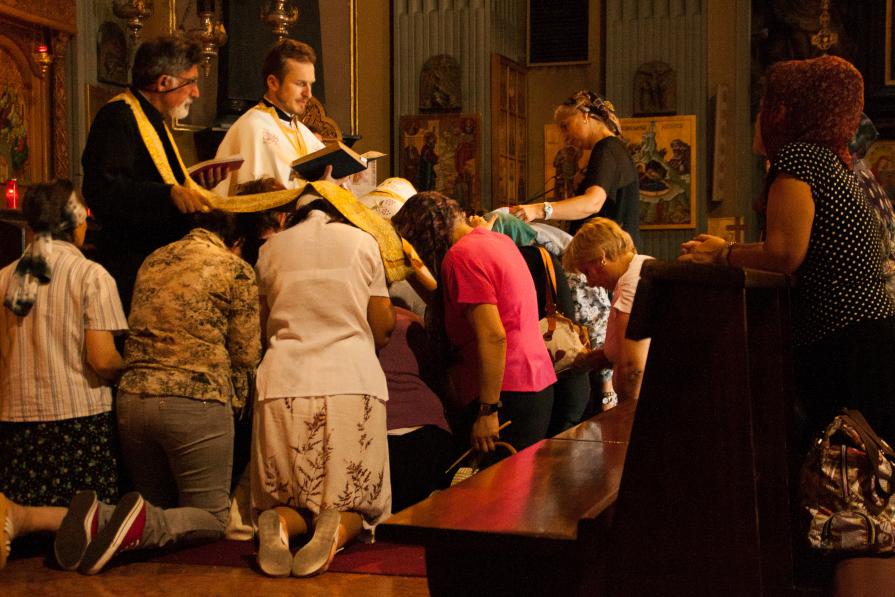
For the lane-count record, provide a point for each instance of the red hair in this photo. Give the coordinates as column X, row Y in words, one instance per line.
column 815, row 101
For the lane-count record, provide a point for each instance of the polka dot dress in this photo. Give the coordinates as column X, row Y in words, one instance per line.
column 841, row 280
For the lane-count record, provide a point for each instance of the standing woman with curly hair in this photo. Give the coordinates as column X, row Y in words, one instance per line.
column 487, row 308
column 822, row 228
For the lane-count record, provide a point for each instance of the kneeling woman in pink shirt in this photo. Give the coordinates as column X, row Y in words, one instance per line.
column 486, row 308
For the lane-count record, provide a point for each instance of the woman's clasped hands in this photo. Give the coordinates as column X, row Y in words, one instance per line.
column 703, row 248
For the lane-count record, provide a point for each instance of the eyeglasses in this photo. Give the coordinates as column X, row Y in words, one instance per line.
column 185, row 83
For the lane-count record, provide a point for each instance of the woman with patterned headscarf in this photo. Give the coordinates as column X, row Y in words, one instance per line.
column 821, row 227
column 610, row 185
column 57, row 365
column 486, row 307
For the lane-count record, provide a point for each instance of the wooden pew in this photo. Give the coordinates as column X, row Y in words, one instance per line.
column 693, row 502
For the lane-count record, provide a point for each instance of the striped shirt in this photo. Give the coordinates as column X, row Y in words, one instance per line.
column 44, row 374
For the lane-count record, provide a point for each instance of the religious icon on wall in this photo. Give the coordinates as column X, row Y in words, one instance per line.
column 564, row 165
column 655, row 89
column 440, row 152
column 111, row 54
column 13, row 134
column 664, row 150
column 440, row 85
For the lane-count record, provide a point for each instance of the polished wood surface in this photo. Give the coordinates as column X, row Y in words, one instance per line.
column 540, row 493
column 32, row 576
column 705, row 498
column 605, row 427
column 703, row 505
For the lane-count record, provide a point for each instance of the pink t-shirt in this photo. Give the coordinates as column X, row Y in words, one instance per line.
column 485, row 267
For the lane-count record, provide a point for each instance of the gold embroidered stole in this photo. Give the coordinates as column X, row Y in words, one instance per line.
column 153, row 143
column 390, row 246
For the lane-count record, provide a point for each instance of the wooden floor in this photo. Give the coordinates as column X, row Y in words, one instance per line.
column 32, row 576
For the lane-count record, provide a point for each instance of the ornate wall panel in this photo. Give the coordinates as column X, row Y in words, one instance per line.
column 675, row 32
column 23, row 25
column 468, row 30
column 24, row 106
column 55, row 14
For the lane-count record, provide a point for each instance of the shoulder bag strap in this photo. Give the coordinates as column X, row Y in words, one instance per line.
column 875, row 448
column 550, row 281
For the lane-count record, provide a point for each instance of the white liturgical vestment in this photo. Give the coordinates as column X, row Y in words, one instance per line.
column 269, row 144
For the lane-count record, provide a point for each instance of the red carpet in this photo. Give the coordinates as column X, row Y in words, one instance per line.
column 389, row 559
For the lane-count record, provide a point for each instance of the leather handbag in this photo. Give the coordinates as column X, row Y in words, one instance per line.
column 846, row 488
column 565, row 339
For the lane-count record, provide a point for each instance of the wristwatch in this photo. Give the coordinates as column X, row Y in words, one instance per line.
column 548, row 210
column 489, row 408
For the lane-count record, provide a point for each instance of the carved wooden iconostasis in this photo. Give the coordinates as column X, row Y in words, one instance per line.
column 34, row 105
column 34, row 140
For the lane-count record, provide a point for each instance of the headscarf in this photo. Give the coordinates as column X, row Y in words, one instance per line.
column 521, row 232
column 33, row 268
column 816, row 101
column 589, row 102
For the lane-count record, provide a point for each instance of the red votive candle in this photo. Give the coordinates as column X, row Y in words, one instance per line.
column 12, row 194
column 42, row 49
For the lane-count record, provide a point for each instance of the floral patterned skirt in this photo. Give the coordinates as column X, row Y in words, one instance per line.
column 45, row 463
column 313, row 453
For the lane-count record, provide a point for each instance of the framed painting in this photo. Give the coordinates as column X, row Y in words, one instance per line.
column 664, row 150
column 441, row 152
column 881, row 159
column 564, row 165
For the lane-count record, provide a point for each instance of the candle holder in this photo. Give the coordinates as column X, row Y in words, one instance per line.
column 280, row 18
column 135, row 11
column 210, row 34
column 43, row 59
column 825, row 38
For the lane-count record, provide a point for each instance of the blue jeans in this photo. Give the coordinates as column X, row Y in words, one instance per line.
column 179, row 454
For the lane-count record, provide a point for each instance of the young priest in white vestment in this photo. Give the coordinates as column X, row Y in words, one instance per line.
column 270, row 136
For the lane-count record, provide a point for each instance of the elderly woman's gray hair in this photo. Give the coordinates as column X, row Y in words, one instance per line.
column 163, row 56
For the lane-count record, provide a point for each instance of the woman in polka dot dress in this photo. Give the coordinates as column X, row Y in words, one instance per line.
column 821, row 227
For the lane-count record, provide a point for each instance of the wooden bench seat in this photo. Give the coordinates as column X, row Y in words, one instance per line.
column 689, row 495
column 529, row 507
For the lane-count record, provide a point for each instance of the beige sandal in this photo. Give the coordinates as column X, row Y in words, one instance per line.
column 274, row 557
column 317, row 555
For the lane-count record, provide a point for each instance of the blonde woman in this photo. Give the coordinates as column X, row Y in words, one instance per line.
column 605, row 254
column 610, row 184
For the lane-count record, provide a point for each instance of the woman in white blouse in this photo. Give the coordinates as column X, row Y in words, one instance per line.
column 319, row 449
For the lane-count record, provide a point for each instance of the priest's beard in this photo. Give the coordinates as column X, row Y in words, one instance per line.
column 182, row 111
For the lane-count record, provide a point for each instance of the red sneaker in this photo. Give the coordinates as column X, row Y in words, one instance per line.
column 124, row 531
column 77, row 530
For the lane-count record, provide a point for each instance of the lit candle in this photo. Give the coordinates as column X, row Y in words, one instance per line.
column 42, row 49
column 12, row 194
